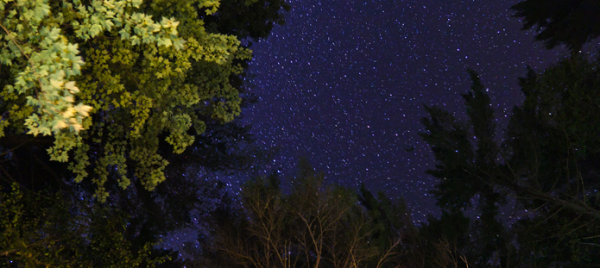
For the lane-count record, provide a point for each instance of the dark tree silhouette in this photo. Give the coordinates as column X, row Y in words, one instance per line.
column 544, row 163
column 561, row 22
column 316, row 225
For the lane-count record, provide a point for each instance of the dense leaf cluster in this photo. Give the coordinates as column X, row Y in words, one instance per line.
column 152, row 104
column 49, row 230
column 140, row 80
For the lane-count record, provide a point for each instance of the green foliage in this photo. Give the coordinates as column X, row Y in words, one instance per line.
column 47, row 230
column 137, row 79
column 194, row 138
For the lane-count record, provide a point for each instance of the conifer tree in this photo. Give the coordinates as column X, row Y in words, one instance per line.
column 465, row 153
column 561, row 22
column 544, row 163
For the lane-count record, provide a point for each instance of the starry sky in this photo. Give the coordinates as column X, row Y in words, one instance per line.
column 344, row 82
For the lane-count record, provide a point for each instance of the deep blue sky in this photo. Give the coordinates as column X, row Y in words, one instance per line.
column 343, row 83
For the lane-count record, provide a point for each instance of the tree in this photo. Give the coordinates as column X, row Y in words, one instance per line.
column 459, row 165
column 569, row 22
column 556, row 129
column 316, row 225
column 252, row 19
column 210, row 83
column 222, row 147
column 544, row 161
column 53, row 231
column 391, row 218
column 142, row 78
column 445, row 242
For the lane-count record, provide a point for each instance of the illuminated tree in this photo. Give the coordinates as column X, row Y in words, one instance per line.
column 109, row 84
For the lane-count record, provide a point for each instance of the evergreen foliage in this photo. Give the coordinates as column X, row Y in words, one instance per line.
column 561, row 22
column 544, row 162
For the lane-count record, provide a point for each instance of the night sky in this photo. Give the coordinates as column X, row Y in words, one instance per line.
column 343, row 83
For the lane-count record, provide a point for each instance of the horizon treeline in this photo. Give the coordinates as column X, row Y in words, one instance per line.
column 115, row 117
column 546, row 163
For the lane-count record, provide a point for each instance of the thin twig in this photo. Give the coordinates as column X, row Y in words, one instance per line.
column 16, row 147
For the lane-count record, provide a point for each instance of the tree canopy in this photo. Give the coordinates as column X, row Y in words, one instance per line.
column 544, row 163
column 139, row 93
column 137, row 82
column 316, row 225
column 561, row 22
column 52, row 230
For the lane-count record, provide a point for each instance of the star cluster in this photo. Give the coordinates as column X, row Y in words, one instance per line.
column 344, row 82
